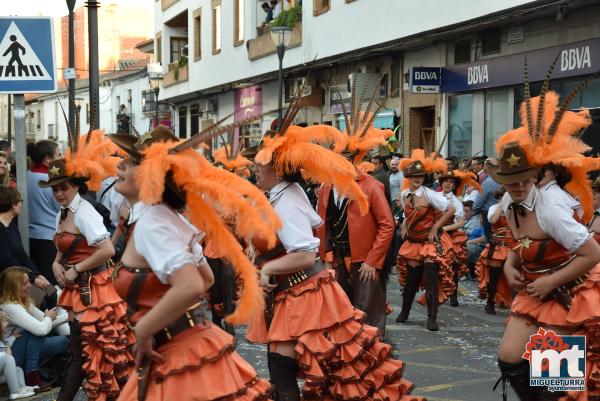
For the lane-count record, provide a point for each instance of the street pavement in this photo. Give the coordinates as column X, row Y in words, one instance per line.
column 457, row 363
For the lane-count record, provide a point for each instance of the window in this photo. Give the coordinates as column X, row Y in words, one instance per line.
column 497, row 120
column 320, row 7
column 159, row 48
column 460, row 126
column 490, row 41
column 238, row 22
column 216, row 26
column 177, row 48
column 194, row 119
column 395, row 84
column 197, row 34
column 87, row 113
column 38, row 123
column 462, row 51
column 183, row 122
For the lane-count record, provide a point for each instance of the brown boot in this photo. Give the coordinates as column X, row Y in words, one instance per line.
column 408, row 293
column 74, row 374
column 431, row 278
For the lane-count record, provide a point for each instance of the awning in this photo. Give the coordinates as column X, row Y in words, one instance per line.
column 385, row 119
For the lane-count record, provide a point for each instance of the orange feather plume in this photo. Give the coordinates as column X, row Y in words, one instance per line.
column 467, row 178
column 366, row 167
column 365, row 138
column 431, row 164
column 236, row 165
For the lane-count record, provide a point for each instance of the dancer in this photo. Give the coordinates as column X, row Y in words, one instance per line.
column 425, row 257
column 98, row 323
column 164, row 276
column 338, row 356
column 594, row 224
column 553, row 259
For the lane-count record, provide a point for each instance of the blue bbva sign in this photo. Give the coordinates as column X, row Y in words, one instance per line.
column 425, row 79
column 579, row 58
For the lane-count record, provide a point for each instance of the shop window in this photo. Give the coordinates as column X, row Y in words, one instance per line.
column 395, row 79
column 490, row 41
column 216, row 26
column 183, row 122
column 197, row 34
column 460, row 126
column 497, row 119
column 177, row 48
column 194, row 119
column 238, row 22
column 462, row 51
column 159, row 48
column 321, row 6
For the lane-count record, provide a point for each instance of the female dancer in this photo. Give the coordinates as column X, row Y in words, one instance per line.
column 427, row 252
column 553, row 259
column 163, row 274
column 337, row 355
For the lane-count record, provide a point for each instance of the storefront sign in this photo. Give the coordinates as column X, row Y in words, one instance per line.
column 425, row 79
column 247, row 102
column 579, row 58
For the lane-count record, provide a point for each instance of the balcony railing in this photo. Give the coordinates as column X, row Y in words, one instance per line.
column 176, row 74
column 164, row 4
column 263, row 45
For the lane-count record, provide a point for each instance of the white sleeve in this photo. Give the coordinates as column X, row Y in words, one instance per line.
column 558, row 222
column 402, row 198
column 437, row 200
column 460, row 212
column 90, row 224
column 18, row 316
column 492, row 210
column 165, row 249
column 296, row 233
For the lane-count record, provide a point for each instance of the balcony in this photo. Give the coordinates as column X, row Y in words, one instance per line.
column 177, row 73
column 263, row 45
column 164, row 4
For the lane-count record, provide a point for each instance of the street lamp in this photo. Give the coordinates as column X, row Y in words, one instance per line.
column 281, row 36
column 155, row 77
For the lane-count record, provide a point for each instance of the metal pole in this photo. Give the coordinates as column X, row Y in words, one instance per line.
column 71, row 6
column 92, row 6
column 280, row 54
column 21, row 152
column 9, row 115
column 156, row 90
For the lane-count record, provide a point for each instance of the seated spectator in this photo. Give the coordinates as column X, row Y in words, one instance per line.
column 10, row 373
column 476, row 239
column 5, row 180
column 31, row 325
column 276, row 7
column 267, row 9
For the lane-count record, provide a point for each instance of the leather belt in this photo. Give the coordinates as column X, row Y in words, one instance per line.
column 550, row 269
column 102, row 268
column 194, row 317
column 287, row 281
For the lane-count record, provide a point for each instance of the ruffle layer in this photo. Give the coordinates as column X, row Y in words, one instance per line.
column 340, row 357
column 459, row 242
column 584, row 316
column 200, row 365
column 503, row 296
column 416, row 251
column 105, row 337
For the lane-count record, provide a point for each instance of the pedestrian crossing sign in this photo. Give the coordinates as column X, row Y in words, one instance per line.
column 27, row 63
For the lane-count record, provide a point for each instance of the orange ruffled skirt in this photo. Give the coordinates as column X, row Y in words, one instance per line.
column 583, row 317
column 340, row 358
column 503, row 296
column 419, row 251
column 459, row 242
column 105, row 336
column 200, row 364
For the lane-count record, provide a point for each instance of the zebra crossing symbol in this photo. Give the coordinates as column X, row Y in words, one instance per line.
column 26, row 55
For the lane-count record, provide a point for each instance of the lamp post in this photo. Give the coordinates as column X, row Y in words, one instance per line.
column 281, row 36
column 155, row 77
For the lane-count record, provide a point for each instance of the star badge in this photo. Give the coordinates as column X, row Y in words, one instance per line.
column 526, row 242
column 513, row 160
column 54, row 171
column 418, row 166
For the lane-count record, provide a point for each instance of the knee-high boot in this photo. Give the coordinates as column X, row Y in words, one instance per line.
column 74, row 374
column 495, row 274
column 408, row 293
column 517, row 374
column 431, row 279
column 283, row 371
column 454, row 296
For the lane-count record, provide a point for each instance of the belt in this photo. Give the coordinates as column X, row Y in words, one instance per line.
column 194, row 317
column 102, row 268
column 550, row 269
column 287, row 281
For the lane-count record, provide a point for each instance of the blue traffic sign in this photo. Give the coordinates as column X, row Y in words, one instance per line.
column 27, row 63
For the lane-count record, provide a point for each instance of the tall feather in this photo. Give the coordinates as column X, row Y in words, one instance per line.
column 540, row 113
column 379, row 107
column 356, row 111
column 565, row 106
column 527, row 91
column 69, row 132
column 353, row 106
column 346, row 116
column 372, row 98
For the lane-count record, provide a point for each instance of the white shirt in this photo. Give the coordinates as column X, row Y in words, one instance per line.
column 297, row 215
column 32, row 320
column 456, row 204
column 111, row 199
column 165, row 239
column 277, row 9
column 566, row 199
column 396, row 180
column 88, row 221
column 471, row 196
column 435, row 199
column 553, row 218
column 492, row 210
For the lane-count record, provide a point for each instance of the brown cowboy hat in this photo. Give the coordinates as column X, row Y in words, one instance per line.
column 513, row 165
column 449, row 175
column 57, row 174
column 415, row 169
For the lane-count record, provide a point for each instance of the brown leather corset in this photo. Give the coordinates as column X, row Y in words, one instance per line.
column 419, row 221
column 541, row 256
column 500, row 232
column 139, row 288
column 65, row 240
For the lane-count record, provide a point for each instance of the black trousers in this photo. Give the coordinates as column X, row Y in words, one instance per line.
column 370, row 297
column 42, row 254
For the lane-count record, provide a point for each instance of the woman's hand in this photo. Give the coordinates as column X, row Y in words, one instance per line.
column 71, row 275
column 403, row 231
column 265, row 281
column 41, row 282
column 59, row 273
column 432, row 234
column 367, row 273
column 144, row 348
column 515, row 278
column 51, row 313
column 541, row 287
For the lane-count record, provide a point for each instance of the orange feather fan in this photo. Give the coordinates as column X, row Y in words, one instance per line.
column 236, row 165
column 300, row 150
column 214, row 196
column 467, row 178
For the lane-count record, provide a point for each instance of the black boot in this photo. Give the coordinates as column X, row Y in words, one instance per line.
column 495, row 273
column 454, row 296
column 283, row 371
column 517, row 374
column 408, row 293
column 431, row 278
column 74, row 374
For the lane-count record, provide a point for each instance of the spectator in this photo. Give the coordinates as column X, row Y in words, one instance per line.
column 380, row 174
column 452, row 163
column 10, row 373
column 43, row 210
column 470, row 194
column 11, row 247
column 476, row 240
column 267, row 9
column 5, row 147
column 477, row 166
column 5, row 180
column 31, row 324
column 276, row 6
column 396, row 178
column 487, row 197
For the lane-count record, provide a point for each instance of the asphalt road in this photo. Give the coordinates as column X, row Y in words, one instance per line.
column 457, row 363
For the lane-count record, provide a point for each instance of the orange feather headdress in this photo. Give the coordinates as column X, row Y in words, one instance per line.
column 462, row 179
column 236, row 163
column 218, row 203
column 420, row 164
column 549, row 135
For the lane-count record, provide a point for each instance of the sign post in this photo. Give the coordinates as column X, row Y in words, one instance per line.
column 26, row 66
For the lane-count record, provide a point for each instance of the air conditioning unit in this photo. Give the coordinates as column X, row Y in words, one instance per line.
column 206, row 106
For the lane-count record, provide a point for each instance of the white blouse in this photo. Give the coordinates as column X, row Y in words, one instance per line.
column 435, row 199
column 457, row 205
column 88, row 221
column 165, row 239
